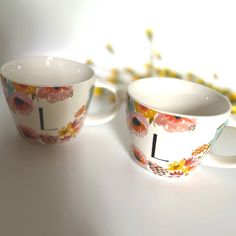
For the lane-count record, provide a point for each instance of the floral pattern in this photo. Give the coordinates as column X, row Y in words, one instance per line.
column 49, row 139
column 139, row 156
column 147, row 112
column 26, row 89
column 201, row 150
column 173, row 169
column 81, row 111
column 27, row 133
column 19, row 102
column 138, row 124
column 20, row 97
column 175, row 123
column 156, row 169
column 70, row 130
column 55, row 94
column 140, row 117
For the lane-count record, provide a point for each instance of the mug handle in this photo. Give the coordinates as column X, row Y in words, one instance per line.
column 104, row 118
column 223, row 153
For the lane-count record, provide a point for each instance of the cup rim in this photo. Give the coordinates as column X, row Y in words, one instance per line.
column 227, row 110
column 21, row 59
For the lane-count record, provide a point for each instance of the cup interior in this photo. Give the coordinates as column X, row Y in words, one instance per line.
column 46, row 71
column 179, row 97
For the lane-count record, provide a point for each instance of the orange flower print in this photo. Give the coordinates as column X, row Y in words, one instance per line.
column 82, row 111
column 201, row 150
column 139, row 156
column 27, row 133
column 54, row 94
column 21, row 103
column 175, row 123
column 138, row 124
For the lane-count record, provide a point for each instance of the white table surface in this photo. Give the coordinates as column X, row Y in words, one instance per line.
column 92, row 187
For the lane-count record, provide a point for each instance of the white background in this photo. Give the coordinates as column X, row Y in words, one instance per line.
column 197, row 36
column 88, row 189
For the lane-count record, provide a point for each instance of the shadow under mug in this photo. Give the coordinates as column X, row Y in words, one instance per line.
column 49, row 97
column 174, row 123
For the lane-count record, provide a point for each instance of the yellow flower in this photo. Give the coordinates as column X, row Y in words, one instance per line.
column 97, row 91
column 163, row 72
column 149, row 34
column 157, row 55
column 89, row 62
column 130, row 70
column 64, row 131
column 177, row 165
column 232, row 96
column 135, row 77
column 234, row 109
column 113, row 77
column 29, row 90
column 110, row 49
column 69, row 130
column 147, row 112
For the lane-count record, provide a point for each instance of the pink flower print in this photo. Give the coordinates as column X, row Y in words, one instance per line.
column 138, row 124
column 65, row 138
column 20, row 103
column 139, row 156
column 176, row 174
column 191, row 163
column 27, row 132
column 77, row 124
column 175, row 123
column 49, row 139
column 54, row 94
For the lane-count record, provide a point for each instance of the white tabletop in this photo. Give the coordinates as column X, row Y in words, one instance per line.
column 92, row 187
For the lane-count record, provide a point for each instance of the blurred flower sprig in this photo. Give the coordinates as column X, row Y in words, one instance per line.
column 123, row 76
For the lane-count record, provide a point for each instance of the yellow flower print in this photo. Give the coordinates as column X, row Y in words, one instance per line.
column 177, row 165
column 71, row 129
column 147, row 112
column 26, row 89
column 64, row 131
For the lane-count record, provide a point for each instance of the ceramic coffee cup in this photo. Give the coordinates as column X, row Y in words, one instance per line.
column 49, row 97
column 174, row 123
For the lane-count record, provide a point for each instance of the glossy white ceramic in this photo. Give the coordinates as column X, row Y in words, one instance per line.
column 49, row 97
column 174, row 123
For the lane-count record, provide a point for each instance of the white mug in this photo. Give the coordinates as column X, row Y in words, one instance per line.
column 49, row 97
column 174, row 123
